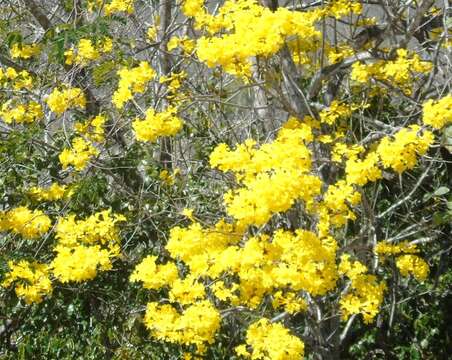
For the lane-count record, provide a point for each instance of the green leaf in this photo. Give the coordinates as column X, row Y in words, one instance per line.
column 441, row 191
column 104, row 72
column 13, row 38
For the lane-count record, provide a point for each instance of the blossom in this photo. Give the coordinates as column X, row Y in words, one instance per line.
column 131, row 81
column 31, row 280
column 196, row 325
column 79, row 155
column 28, row 223
column 414, row 265
column 25, row 51
column 437, row 113
column 116, row 6
column 61, row 100
column 157, row 124
column 21, row 113
column 154, row 276
column 271, row 341
column 51, row 193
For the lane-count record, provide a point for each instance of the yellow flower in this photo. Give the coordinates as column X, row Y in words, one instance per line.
column 86, row 51
column 274, row 176
column 79, row 155
column 60, row 101
column 245, row 29
column 52, row 193
column 197, row 325
column 69, row 56
column 437, row 113
column 365, row 294
column 23, row 221
column 79, row 263
column 188, row 213
column 116, row 6
column 86, row 246
column 185, row 43
column 154, row 276
column 93, row 129
column 155, row 125
column 414, row 265
column 152, row 33
column 31, row 280
column 271, row 341
column 21, row 113
column 132, row 81
column 400, row 153
column 25, row 51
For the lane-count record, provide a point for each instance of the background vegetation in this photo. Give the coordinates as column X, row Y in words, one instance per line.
column 222, row 98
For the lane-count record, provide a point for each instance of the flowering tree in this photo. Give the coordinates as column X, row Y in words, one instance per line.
column 220, row 180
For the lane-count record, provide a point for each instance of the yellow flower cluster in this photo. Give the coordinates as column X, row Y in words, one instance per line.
column 80, row 263
column 169, row 178
column 360, row 172
column 298, row 261
column 173, row 82
column 99, row 228
column 131, row 81
column 400, row 153
column 250, row 30
column 157, row 124
column 398, row 72
column 154, row 276
column 78, row 155
column 187, row 44
column 52, row 193
column 340, row 8
column 224, row 293
column 61, row 100
column 196, row 325
column 414, row 265
column 384, row 249
column 192, row 8
column 266, row 340
column 245, row 272
column 274, row 176
column 25, row 51
column 152, row 33
column 31, row 280
column 28, row 223
column 406, row 262
column 116, row 6
column 338, row 53
column 438, row 113
column 335, row 112
column 335, row 207
column 21, row 113
column 291, row 303
column 365, row 294
column 341, row 151
column 82, row 150
column 85, row 246
column 88, row 51
column 93, row 129
column 204, row 251
column 19, row 80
